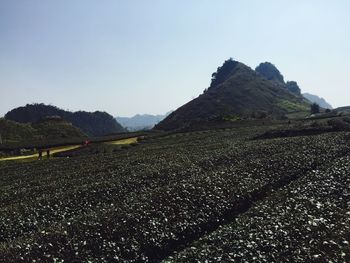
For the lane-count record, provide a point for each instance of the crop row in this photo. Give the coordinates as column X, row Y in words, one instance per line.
column 307, row 221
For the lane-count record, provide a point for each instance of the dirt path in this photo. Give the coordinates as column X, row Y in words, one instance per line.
column 67, row 148
column 52, row 151
column 124, row 141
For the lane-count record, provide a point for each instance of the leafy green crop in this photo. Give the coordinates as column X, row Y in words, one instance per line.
column 146, row 203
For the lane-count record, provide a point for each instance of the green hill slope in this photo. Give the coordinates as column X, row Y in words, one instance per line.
column 236, row 91
column 53, row 127
column 92, row 123
column 11, row 131
column 43, row 130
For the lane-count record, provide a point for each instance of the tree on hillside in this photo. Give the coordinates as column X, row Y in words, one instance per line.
column 315, row 108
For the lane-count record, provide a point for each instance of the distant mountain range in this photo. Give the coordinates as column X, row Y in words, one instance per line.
column 320, row 101
column 237, row 91
column 91, row 123
column 140, row 121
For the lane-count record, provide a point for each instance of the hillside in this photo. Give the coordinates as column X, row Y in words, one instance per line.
column 344, row 110
column 236, row 91
column 92, row 123
column 270, row 72
column 56, row 127
column 47, row 128
column 11, row 131
column 316, row 99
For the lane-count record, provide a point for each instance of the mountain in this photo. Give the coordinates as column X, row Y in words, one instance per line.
column 140, row 122
column 320, row 101
column 53, row 128
column 236, row 91
column 293, row 87
column 92, row 123
column 270, row 72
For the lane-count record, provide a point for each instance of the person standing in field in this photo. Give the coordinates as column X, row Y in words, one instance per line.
column 48, row 153
column 40, row 154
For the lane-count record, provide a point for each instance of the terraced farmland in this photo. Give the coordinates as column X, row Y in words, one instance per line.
column 207, row 195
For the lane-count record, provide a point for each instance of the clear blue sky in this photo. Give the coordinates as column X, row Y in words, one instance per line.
column 137, row 56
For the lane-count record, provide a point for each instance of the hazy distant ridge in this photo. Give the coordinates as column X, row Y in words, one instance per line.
column 316, row 99
column 140, row 121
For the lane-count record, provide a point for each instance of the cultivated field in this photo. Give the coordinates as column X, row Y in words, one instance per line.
column 206, row 196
